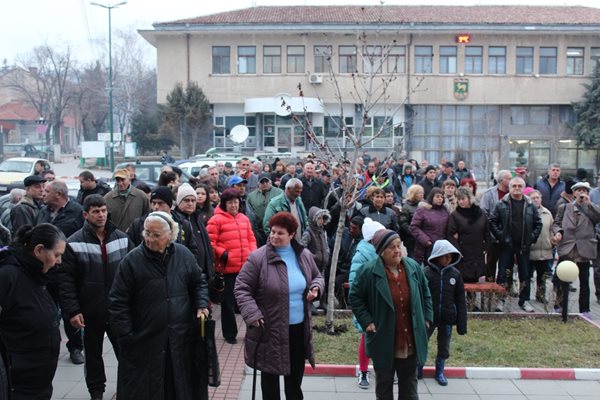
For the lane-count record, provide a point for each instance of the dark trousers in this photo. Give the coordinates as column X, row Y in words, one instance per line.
column 93, row 338
column 406, row 370
column 597, row 272
column 444, row 334
column 269, row 383
column 492, row 261
column 584, row 286
column 228, row 308
column 74, row 335
column 505, row 263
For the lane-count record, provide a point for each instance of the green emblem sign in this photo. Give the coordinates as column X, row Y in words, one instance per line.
column 461, row 89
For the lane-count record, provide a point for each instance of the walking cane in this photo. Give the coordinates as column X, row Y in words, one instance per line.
column 262, row 331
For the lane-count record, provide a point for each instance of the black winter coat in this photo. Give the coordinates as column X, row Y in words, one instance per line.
column 69, row 219
column 85, row 278
column 28, row 325
column 313, row 192
column 205, row 250
column 500, row 222
column 153, row 305
column 24, row 213
column 101, row 188
column 448, row 296
column 471, row 226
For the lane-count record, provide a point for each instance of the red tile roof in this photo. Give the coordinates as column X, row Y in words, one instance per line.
column 15, row 111
column 530, row 15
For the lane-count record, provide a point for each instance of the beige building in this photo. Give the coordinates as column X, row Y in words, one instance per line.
column 483, row 83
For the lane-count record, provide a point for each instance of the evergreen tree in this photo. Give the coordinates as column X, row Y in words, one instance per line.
column 587, row 111
column 144, row 132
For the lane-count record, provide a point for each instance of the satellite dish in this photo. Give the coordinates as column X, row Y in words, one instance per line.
column 239, row 134
column 282, row 104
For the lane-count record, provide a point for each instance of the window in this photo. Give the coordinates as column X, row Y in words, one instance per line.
column 423, row 59
column 397, row 59
column 322, row 56
column 272, row 60
column 526, row 115
column 567, row 115
column 497, row 60
column 295, row 59
column 372, row 59
column 595, row 54
column 548, row 60
column 347, row 56
column 524, row 60
column 220, row 60
column 474, row 60
column 447, row 59
column 574, row 60
column 246, row 60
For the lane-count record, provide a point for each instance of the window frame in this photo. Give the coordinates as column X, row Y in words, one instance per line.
column 446, row 67
column 221, row 61
column 271, row 62
column 424, row 61
column 546, row 62
column 347, row 57
column 524, row 60
column 496, row 58
column 470, row 60
column 296, row 58
column 321, row 64
column 575, row 62
column 394, row 59
column 250, row 60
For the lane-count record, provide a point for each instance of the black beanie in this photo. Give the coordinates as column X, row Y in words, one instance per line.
column 162, row 193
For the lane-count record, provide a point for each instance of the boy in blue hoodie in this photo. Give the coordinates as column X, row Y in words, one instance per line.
column 449, row 303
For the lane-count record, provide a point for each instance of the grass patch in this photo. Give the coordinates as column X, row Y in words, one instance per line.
column 490, row 342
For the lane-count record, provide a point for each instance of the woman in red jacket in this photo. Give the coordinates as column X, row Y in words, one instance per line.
column 232, row 239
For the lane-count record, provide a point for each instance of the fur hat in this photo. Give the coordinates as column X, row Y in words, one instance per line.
column 184, row 191
column 382, row 239
column 370, row 227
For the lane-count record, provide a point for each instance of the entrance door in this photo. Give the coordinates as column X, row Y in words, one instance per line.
column 284, row 139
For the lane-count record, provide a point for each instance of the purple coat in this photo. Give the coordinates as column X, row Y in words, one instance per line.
column 261, row 291
column 428, row 225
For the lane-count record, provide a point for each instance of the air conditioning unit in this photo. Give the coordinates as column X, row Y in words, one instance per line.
column 315, row 78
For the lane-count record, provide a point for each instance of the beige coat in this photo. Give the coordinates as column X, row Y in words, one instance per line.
column 123, row 211
column 542, row 249
column 578, row 230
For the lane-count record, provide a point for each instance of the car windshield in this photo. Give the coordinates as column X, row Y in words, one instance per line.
column 15, row 166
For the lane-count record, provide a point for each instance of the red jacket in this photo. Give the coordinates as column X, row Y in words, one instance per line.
column 232, row 235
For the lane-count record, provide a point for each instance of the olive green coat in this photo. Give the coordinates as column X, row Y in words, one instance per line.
column 371, row 301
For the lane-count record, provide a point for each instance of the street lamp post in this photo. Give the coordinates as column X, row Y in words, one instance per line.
column 110, row 83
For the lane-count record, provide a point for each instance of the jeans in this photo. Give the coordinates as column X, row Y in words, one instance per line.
column 406, row 370
column 93, row 338
column 506, row 261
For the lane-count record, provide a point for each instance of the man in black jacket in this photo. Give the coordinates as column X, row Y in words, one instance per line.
column 89, row 265
column 28, row 208
column 89, row 185
column 313, row 189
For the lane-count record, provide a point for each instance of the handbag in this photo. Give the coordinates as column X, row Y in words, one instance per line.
column 206, row 351
column 216, row 286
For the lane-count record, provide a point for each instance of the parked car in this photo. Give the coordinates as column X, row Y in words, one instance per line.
column 14, row 170
column 149, row 172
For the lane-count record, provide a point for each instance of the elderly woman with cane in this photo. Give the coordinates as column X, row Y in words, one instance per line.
column 274, row 290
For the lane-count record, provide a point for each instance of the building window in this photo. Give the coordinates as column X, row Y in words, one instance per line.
column 524, row 60
column 221, row 60
column 322, row 58
column 447, row 59
column 271, row 59
column 595, row 54
column 496, row 60
column 548, row 60
column 423, row 59
column 474, row 60
column 574, row 60
column 530, row 115
column 372, row 59
column 567, row 115
column 246, row 60
column 295, row 59
column 397, row 60
column 347, row 56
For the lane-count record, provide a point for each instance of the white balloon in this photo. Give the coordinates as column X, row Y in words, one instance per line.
column 567, row 271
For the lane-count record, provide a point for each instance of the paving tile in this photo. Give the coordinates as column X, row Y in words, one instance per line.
column 455, row 386
column 503, row 397
column 580, row 388
column 494, row 386
column 539, row 387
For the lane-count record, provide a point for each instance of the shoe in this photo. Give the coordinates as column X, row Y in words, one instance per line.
column 527, row 307
column 420, row 372
column 77, row 357
column 557, row 309
column 363, row 380
column 97, row 396
column 586, row 314
column 231, row 340
column 572, row 288
column 499, row 306
column 439, row 372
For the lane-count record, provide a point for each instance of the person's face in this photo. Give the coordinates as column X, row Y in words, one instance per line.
column 160, row 205
column 49, row 257
column 265, row 185
column 96, row 216
column 326, row 180
column 50, row 197
column 449, row 190
column 469, row 186
column 464, row 202
column 378, row 200
column 213, row 195
column 392, row 255
column 256, row 168
column 49, row 177
column 438, row 199
column 389, row 198
column 461, row 165
column 123, row 183
column 279, row 167
column 156, row 237
column 372, row 168
column 214, row 174
column 241, row 187
column 245, row 164
column 309, row 170
column 354, row 230
column 232, row 206
column 444, row 260
column 536, row 199
column 419, row 195
column 36, row 191
column 430, row 175
column 220, row 167
column 280, row 237
column 320, row 221
column 39, row 167
column 291, row 169
column 581, row 192
column 188, row 204
column 516, row 189
column 294, row 193
column 554, row 172
column 408, row 171
column 86, row 185
column 201, row 196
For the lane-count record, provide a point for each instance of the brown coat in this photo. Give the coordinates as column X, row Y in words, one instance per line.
column 261, row 292
column 123, row 211
column 578, row 231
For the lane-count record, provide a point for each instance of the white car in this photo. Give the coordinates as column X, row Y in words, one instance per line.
column 14, row 170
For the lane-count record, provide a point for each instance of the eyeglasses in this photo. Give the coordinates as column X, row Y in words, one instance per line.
column 153, row 235
column 189, row 200
column 516, row 186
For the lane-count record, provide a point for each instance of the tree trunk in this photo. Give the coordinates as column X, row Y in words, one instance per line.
column 333, row 266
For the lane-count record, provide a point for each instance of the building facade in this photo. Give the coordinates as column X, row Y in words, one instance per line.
column 484, row 84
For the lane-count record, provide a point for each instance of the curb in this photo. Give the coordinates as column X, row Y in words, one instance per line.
column 471, row 372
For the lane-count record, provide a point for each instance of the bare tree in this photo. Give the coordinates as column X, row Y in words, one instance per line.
column 91, row 102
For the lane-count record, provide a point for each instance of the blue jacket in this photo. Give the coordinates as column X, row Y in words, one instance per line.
column 365, row 252
column 550, row 195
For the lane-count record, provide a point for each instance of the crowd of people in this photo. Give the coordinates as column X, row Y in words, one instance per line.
column 139, row 265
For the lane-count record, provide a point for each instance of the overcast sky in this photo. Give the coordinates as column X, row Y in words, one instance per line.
column 27, row 23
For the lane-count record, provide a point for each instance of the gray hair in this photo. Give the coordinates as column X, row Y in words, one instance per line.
column 166, row 222
column 60, row 187
column 16, row 195
column 504, row 173
column 553, row 165
column 292, row 183
column 258, row 163
column 517, row 179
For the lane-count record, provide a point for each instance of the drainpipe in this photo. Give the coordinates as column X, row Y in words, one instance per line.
column 187, row 56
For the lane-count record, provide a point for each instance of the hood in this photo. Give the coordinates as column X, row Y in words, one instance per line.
column 441, row 247
column 406, row 165
column 315, row 212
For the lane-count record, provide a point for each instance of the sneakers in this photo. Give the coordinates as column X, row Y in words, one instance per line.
column 76, row 357
column 527, row 307
column 231, row 340
column 557, row 309
column 586, row 314
column 363, row 380
column 499, row 306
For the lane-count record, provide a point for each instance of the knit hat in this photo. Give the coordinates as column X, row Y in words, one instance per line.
column 370, row 227
column 162, row 193
column 382, row 239
column 184, row 191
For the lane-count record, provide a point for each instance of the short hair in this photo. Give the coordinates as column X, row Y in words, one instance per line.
column 228, row 194
column 434, row 191
column 285, row 220
column 517, row 179
column 469, row 181
column 167, row 177
column 15, row 195
column 59, row 187
column 47, row 172
column 378, row 191
column 554, row 165
column 93, row 200
column 27, row 237
column 358, row 220
column 504, row 173
column 144, row 187
column 463, row 192
column 411, row 193
column 449, row 182
column 292, row 183
column 87, row 176
column 535, row 191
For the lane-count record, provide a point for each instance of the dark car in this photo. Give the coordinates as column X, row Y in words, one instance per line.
column 149, row 172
